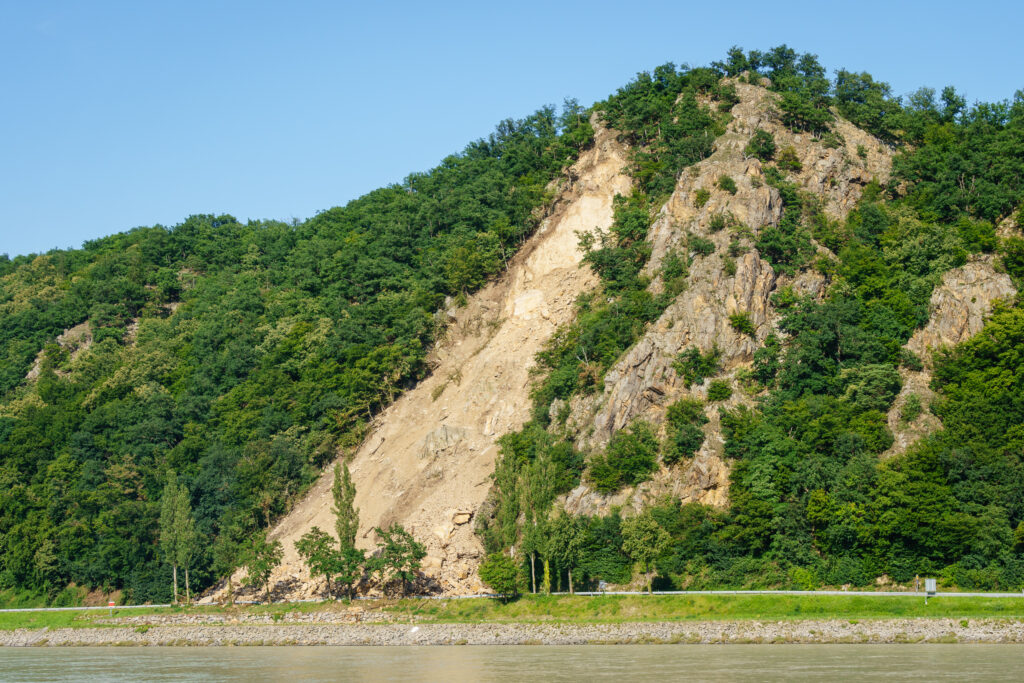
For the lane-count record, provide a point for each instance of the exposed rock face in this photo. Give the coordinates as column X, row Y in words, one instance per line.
column 76, row 339
column 958, row 308
column 643, row 383
column 960, row 305
column 428, row 461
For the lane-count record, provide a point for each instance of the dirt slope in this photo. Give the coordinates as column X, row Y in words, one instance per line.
column 428, row 461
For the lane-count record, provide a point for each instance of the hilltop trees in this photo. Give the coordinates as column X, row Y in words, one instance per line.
column 245, row 354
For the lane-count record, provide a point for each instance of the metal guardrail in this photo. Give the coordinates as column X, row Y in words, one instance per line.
column 77, row 609
column 905, row 594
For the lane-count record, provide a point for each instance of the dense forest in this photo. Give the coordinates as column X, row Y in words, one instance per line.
column 238, row 360
column 811, row 501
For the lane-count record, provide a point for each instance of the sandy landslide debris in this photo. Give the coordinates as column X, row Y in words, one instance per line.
column 428, row 462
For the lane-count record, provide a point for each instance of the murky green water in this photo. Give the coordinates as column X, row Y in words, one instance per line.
column 516, row 663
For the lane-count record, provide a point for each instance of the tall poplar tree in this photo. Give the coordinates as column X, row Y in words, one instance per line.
column 168, row 537
column 346, row 514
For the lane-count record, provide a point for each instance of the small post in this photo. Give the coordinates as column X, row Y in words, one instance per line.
column 929, row 589
column 110, row 606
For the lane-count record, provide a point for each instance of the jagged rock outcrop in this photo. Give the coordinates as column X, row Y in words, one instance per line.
column 958, row 309
column 428, row 460
column 960, row 304
column 643, row 383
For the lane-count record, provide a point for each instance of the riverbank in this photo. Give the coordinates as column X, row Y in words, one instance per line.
column 535, row 619
column 831, row 631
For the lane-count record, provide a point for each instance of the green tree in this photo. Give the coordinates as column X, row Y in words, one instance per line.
column 643, row 540
column 398, row 555
column 567, row 536
column 316, row 548
column 261, row 558
column 177, row 531
column 501, row 573
column 346, row 514
column 187, row 538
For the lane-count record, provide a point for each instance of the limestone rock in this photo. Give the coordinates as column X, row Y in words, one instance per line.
column 960, row 304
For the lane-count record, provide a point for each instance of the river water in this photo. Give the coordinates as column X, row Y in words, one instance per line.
column 516, row 663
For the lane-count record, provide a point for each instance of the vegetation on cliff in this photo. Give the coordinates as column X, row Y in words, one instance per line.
column 240, row 359
column 812, row 502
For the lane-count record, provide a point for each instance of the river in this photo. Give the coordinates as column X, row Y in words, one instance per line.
column 516, row 663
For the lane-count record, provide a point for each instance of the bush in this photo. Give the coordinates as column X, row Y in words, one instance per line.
column 701, row 197
column 729, row 266
column 685, row 418
column 788, row 160
column 693, row 366
column 718, row 222
column 727, row 184
column 501, row 573
column 630, row 457
column 833, row 140
column 701, row 245
column 761, row 146
column 911, row 408
column 719, row 390
column 1013, row 257
column 742, row 323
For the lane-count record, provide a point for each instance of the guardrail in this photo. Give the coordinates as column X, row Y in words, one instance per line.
column 905, row 594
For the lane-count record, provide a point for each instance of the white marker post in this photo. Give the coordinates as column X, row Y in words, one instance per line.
column 110, row 604
column 929, row 589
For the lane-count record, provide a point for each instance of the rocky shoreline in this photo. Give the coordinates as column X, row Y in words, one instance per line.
column 700, row 632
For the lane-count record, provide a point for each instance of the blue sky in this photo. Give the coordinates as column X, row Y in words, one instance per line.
column 120, row 114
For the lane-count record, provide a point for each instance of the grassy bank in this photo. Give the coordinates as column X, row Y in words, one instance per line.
column 621, row 608
column 582, row 610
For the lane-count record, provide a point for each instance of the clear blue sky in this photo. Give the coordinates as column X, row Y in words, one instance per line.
column 120, row 114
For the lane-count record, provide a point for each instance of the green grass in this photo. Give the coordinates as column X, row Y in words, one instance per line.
column 611, row 608
column 604, row 609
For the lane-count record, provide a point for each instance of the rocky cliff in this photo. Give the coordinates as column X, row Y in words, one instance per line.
column 643, row 383
column 427, row 462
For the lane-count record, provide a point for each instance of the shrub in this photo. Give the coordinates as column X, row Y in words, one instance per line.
column 833, row 140
column 862, row 151
column 788, row 160
column 910, row 360
column 727, row 97
column 701, row 245
column 501, row 573
column 674, row 271
column 718, row 222
column 727, row 184
column 761, row 146
column 741, row 322
column 701, row 197
column 693, row 366
column 729, row 265
column 911, row 408
column 685, row 418
column 719, row 390
column 630, row 457
column 1013, row 257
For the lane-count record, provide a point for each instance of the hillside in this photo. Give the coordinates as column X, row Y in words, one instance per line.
column 772, row 314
